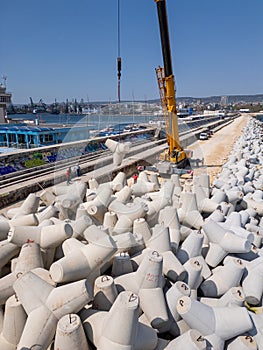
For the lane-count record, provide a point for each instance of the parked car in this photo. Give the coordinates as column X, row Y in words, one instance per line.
column 203, row 136
column 209, row 133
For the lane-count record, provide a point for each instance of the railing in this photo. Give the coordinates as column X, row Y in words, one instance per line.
column 18, row 145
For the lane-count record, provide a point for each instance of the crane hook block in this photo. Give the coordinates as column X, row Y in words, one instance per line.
column 119, row 66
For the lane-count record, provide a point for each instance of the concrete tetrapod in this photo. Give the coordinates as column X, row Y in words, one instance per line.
column 214, row 342
column 125, row 241
column 29, row 206
column 190, row 340
column 234, row 296
column 80, row 225
column 123, row 225
column 71, row 244
column 225, row 322
column 70, row 334
column 119, row 329
column 218, row 196
column 132, row 210
column 148, row 275
column 119, row 181
column 109, row 221
column 75, row 191
column 191, row 246
column 168, row 217
column 45, row 236
column 98, row 206
column 203, row 180
column 13, row 324
column 243, row 343
column 256, row 332
column 205, row 205
column 175, row 178
column 160, row 241
column 29, row 258
column 47, row 213
column 45, row 305
column 4, row 228
column 188, row 213
column 160, row 200
column 257, row 206
column 154, row 179
column 81, row 263
column 105, row 293
column 118, row 149
column 194, row 275
column 172, row 296
column 223, row 278
column 121, row 264
column 7, row 252
column 222, row 242
column 143, row 186
column 93, row 184
column 239, row 231
column 94, row 233
column 140, row 226
column 124, row 195
column 47, row 197
column 253, row 281
column 25, row 220
column 147, row 282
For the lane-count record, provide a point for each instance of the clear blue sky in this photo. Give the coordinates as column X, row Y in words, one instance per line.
column 67, row 49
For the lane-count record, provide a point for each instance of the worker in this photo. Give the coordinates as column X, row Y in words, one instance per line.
column 68, row 175
column 135, row 177
column 77, row 170
column 190, row 172
column 175, row 154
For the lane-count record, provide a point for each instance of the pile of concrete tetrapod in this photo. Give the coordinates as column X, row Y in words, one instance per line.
column 170, row 265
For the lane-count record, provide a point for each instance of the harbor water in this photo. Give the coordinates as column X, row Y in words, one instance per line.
column 93, row 121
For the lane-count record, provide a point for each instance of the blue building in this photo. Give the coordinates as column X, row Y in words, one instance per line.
column 27, row 136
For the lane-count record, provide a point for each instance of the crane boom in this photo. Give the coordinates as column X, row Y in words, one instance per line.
column 164, row 34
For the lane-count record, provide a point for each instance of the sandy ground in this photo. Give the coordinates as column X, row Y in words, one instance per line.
column 215, row 151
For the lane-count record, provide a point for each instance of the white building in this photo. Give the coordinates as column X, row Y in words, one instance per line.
column 5, row 98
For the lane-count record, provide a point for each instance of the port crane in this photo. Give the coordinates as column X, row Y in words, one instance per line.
column 37, row 107
column 174, row 156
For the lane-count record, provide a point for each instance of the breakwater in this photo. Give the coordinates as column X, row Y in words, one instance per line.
column 90, row 154
column 154, row 265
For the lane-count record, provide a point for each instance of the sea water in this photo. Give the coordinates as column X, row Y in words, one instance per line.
column 93, row 121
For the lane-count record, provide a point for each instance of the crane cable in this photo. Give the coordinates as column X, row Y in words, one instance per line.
column 119, row 58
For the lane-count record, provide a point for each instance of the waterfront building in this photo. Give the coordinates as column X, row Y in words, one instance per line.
column 224, row 101
column 27, row 136
column 5, row 98
column 184, row 112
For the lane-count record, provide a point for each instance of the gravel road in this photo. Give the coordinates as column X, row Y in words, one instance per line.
column 215, row 151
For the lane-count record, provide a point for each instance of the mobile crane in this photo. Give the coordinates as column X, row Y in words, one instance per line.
column 174, row 156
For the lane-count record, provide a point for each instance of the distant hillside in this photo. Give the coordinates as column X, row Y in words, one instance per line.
column 216, row 99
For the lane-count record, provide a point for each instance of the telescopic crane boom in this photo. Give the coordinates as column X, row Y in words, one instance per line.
column 175, row 154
